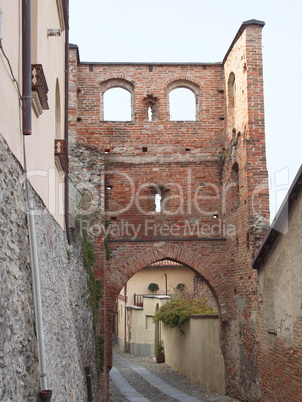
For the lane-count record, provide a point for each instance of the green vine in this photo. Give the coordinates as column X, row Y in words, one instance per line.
column 99, row 345
column 95, row 292
column 107, row 249
column 69, row 255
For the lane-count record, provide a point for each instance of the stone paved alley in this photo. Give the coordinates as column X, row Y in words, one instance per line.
column 135, row 378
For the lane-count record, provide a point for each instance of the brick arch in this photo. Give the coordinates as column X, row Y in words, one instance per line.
column 109, row 77
column 178, row 253
column 183, row 78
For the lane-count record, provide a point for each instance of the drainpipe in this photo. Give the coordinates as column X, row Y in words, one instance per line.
column 27, row 128
column 88, row 380
column 66, row 192
column 26, row 67
column 166, row 283
column 37, row 293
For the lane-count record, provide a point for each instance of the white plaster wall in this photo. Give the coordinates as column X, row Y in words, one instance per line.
column 197, row 353
column 10, row 111
column 140, row 325
column 48, row 51
column 140, row 281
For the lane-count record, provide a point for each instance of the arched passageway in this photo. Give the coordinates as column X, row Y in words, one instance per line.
column 198, row 341
column 144, row 294
column 119, row 273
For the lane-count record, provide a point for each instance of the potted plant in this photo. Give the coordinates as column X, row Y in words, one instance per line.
column 153, row 287
column 159, row 351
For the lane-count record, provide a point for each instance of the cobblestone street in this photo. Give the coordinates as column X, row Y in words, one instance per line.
column 140, row 379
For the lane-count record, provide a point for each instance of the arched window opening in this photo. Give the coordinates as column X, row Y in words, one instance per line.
column 182, row 104
column 231, row 91
column 117, row 105
column 116, row 100
column 149, row 113
column 57, row 113
column 158, row 200
column 151, row 107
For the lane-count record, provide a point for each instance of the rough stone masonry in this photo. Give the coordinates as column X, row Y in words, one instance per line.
column 69, row 337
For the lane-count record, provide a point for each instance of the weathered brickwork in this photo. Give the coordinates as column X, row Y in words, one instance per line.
column 210, row 173
column 69, row 339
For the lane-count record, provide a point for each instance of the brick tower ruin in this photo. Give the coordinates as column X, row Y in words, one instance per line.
column 208, row 177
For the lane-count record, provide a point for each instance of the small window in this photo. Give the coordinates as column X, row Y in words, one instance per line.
column 149, row 113
column 117, row 105
column 231, row 91
column 158, row 200
column 151, row 107
column 182, row 102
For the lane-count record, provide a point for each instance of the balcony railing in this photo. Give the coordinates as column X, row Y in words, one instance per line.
column 39, row 84
column 139, row 298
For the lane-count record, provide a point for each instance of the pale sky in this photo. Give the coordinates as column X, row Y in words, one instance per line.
column 202, row 31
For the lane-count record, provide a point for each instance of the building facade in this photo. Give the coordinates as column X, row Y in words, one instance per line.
column 46, row 328
column 192, row 191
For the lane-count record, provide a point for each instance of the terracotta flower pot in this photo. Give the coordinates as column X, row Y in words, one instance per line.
column 160, row 358
column 45, row 395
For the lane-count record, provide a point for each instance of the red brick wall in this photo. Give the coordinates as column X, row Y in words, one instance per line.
column 194, row 163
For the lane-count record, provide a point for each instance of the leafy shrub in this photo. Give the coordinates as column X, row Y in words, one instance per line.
column 177, row 311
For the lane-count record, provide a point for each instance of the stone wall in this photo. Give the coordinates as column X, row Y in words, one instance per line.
column 280, row 313
column 69, row 337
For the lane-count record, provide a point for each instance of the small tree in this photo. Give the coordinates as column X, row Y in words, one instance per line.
column 153, row 287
